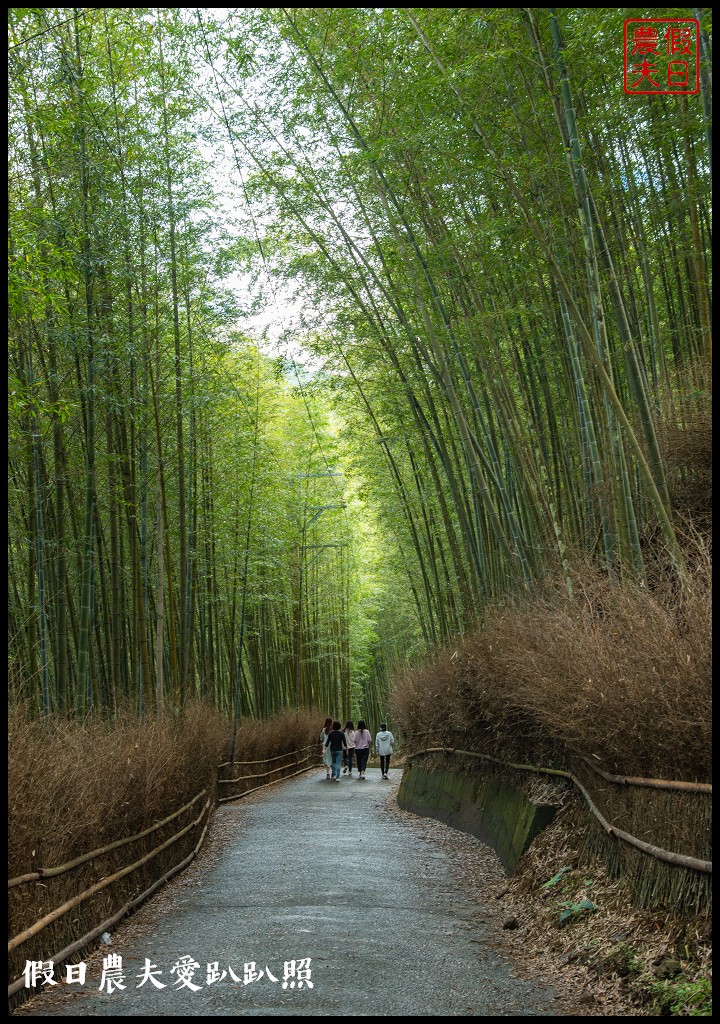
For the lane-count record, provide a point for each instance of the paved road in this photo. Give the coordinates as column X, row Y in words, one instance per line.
column 321, row 872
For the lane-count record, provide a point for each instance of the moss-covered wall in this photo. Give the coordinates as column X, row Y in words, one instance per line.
column 486, row 806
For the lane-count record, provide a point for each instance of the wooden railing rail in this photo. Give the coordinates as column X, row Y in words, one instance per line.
column 34, row 876
column 38, row 926
column 264, row 775
column 622, row 780
column 266, row 760
column 239, row 796
column 110, row 922
column 636, row 780
column 53, row 872
column 680, row 859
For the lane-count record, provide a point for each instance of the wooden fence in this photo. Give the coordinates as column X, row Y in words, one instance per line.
column 681, row 860
column 310, row 753
column 293, row 759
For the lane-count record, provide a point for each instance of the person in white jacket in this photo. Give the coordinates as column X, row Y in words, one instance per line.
column 384, row 747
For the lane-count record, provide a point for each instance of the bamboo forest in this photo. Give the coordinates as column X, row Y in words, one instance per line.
column 359, row 372
column 332, row 329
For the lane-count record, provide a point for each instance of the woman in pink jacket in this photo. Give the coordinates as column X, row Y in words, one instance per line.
column 363, row 739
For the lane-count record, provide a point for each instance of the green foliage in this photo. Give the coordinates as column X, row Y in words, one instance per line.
column 625, row 956
column 555, row 878
column 571, row 910
column 677, row 997
column 494, row 354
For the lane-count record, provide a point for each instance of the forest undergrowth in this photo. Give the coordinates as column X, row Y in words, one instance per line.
column 578, row 918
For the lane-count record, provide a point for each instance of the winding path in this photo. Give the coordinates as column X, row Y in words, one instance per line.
column 319, row 870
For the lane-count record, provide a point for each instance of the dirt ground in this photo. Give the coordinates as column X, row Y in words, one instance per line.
column 615, row 960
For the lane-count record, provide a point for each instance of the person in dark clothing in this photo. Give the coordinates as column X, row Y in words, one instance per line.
column 336, row 743
column 363, row 739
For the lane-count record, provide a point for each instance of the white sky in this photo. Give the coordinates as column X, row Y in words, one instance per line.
column 277, row 326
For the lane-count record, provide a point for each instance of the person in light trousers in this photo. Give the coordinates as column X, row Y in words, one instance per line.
column 326, row 756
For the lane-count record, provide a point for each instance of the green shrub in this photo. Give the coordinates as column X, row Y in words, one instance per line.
column 682, row 998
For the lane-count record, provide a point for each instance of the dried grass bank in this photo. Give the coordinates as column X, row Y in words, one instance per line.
column 77, row 788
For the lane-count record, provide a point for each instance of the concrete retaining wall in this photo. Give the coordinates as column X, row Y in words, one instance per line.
column 486, row 806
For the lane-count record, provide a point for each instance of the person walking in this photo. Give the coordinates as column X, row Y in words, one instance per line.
column 384, row 746
column 348, row 755
column 336, row 744
column 327, row 759
column 362, row 739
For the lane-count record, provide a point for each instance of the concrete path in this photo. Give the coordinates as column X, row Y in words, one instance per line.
column 326, row 875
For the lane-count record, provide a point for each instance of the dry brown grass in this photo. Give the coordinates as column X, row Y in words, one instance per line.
column 75, row 788
column 617, row 673
column 282, row 734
